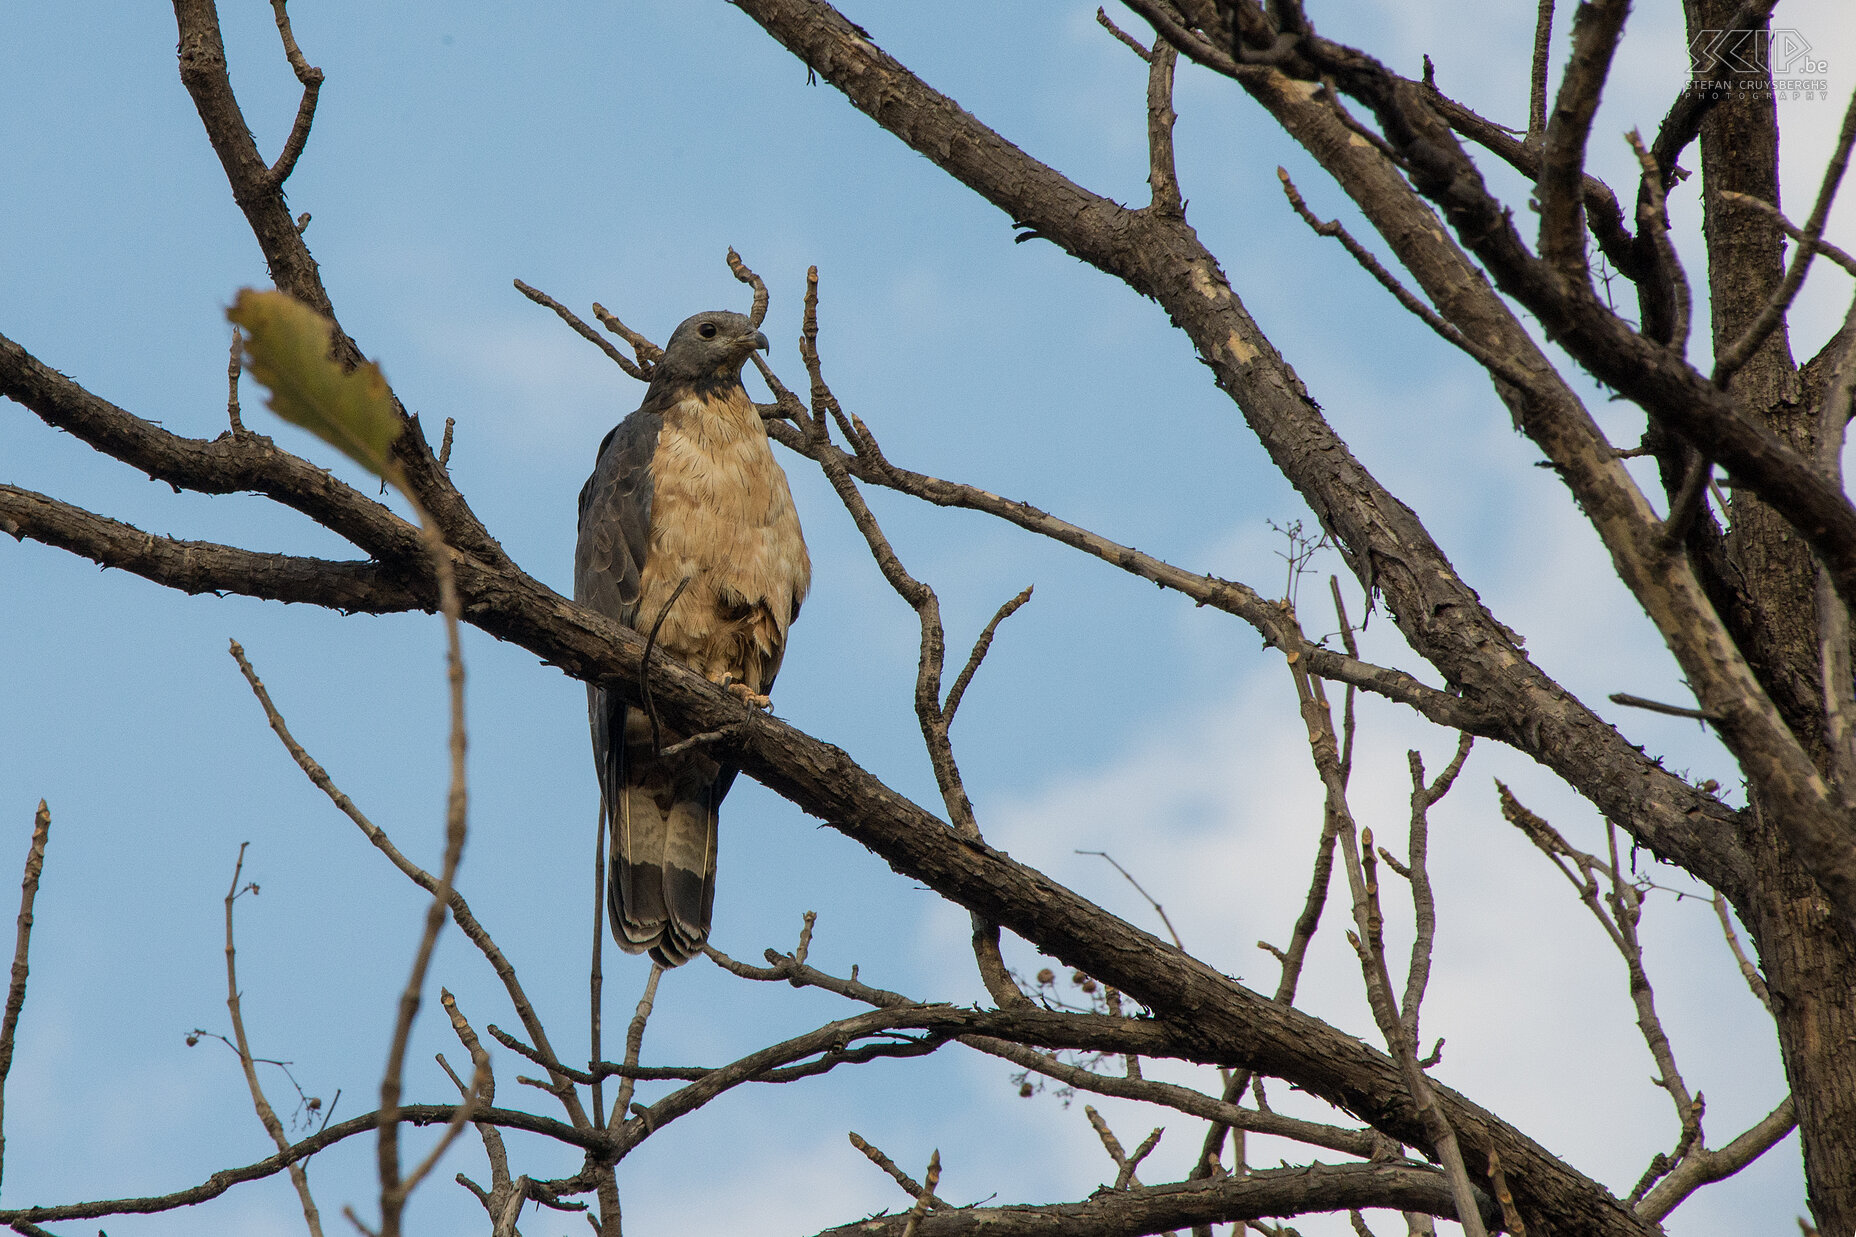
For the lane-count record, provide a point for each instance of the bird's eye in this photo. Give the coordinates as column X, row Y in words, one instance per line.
column 706, row 330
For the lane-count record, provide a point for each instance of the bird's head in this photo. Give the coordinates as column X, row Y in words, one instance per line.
column 709, row 347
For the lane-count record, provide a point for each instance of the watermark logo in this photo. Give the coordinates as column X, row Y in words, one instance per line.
column 1724, row 61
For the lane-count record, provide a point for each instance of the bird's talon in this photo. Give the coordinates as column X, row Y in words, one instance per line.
column 749, row 696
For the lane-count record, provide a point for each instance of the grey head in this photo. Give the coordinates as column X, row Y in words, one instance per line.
column 708, row 348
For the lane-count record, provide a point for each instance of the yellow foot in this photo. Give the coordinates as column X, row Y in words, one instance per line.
column 749, row 695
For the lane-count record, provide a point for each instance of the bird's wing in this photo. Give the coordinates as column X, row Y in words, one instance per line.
column 615, row 519
column 615, row 535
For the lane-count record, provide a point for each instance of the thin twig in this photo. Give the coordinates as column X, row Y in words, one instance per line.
column 634, row 1045
column 930, row 1180
column 1748, row 971
column 1620, row 924
column 648, row 353
column 1511, row 1219
column 234, row 367
column 1537, row 92
column 1135, row 45
column 1742, row 349
column 1417, row 873
column 311, row 79
column 720, row 734
column 22, row 938
column 639, row 369
column 1124, row 1176
column 493, row 1147
column 1653, row 222
column 218, row 1183
column 1656, row 706
column 444, row 447
column 394, row 1190
column 460, row 909
column 1833, row 614
column 931, row 717
column 758, row 313
column 266, row 1115
column 1701, row 1166
column 1162, row 171
column 1324, row 749
column 1502, row 367
column 1306, row 924
column 980, row 646
column 875, row 1155
column 1149, row 898
column 473, row 1101
column 1841, row 257
column 1353, row 650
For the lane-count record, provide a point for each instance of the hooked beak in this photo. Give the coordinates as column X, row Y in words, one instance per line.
column 760, row 342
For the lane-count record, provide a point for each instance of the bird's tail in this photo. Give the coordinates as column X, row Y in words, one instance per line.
column 660, row 882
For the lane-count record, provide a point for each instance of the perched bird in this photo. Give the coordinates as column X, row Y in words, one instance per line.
column 685, row 495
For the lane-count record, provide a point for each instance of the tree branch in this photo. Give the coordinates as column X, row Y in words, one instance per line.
column 205, row 566
column 1159, row 1209
column 1386, row 545
column 22, row 938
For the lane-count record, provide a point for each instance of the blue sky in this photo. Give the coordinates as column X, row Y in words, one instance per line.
column 613, row 152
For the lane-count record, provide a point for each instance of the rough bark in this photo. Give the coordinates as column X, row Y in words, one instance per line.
column 1808, row 954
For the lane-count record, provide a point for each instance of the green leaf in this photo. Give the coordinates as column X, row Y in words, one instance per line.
column 287, row 347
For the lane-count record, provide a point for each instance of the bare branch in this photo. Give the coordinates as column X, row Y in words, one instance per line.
column 1596, row 29
column 930, row 1180
column 1741, row 350
column 875, row 1155
column 1441, row 1131
column 1754, row 980
column 1129, row 877
column 1666, row 285
column 1701, row 1166
column 634, row 1044
column 355, row 587
column 1159, row 1209
column 1537, row 92
column 1162, row 171
column 639, row 369
column 1234, row 598
column 225, row 1179
column 1620, row 925
column 234, row 367
column 394, row 1190
column 758, row 313
column 483, row 1083
column 1657, row 706
column 980, row 646
column 1495, row 363
column 1841, row 257
column 648, row 352
column 460, row 910
column 259, row 195
column 22, row 938
column 1417, row 872
column 1388, row 548
column 1511, row 1219
column 1225, row 1115
column 311, row 78
column 274, row 1127
column 1133, row 44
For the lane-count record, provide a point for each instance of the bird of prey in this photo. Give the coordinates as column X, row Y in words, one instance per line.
column 687, row 524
